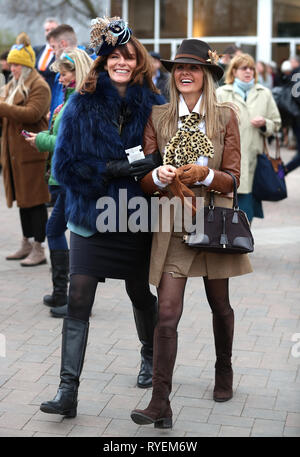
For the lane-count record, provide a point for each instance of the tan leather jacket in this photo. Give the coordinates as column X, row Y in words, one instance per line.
column 226, row 147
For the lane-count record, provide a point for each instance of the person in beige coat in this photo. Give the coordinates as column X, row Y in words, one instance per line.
column 259, row 118
column 198, row 167
column 25, row 106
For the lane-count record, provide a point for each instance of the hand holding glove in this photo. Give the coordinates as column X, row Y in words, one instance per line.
column 191, row 173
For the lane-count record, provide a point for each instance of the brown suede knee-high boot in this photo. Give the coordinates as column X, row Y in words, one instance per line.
column 159, row 411
column 223, row 327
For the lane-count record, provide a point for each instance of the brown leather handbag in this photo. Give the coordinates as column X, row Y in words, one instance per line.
column 226, row 230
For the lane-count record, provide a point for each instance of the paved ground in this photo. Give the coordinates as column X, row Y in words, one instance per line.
column 267, row 377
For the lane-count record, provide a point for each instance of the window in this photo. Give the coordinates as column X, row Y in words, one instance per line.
column 141, row 18
column 225, row 18
column 116, row 8
column 286, row 18
column 173, row 19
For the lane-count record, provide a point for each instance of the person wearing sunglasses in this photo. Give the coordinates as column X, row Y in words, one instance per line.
column 25, row 106
column 259, row 118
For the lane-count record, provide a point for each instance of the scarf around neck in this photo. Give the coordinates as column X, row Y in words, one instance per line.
column 243, row 88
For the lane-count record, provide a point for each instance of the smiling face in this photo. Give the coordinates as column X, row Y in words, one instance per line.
column 189, row 79
column 120, row 67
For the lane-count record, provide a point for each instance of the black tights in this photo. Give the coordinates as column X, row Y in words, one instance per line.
column 171, row 295
column 82, row 292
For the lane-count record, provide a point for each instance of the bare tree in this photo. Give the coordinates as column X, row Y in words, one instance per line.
column 81, row 10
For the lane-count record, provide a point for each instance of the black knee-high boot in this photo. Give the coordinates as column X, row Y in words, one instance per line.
column 60, row 277
column 145, row 321
column 74, row 341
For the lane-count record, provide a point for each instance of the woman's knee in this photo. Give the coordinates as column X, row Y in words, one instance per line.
column 169, row 313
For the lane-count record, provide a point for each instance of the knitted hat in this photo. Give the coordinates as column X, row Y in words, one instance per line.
column 22, row 53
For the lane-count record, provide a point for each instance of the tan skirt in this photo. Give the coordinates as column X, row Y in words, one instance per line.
column 183, row 261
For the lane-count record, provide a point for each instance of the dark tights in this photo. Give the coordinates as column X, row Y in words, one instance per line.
column 82, row 292
column 171, row 295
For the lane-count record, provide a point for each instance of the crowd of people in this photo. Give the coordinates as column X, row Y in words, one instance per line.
column 72, row 118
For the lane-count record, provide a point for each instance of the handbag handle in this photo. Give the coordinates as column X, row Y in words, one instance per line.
column 235, row 204
column 277, row 150
column 277, row 153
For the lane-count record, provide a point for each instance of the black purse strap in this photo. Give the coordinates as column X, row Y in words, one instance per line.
column 235, row 204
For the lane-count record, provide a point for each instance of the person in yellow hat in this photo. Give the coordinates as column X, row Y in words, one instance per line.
column 22, row 53
column 24, row 106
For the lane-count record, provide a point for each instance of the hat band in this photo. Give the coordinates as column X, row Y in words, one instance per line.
column 191, row 56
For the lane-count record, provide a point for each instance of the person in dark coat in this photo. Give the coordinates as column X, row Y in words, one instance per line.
column 160, row 77
column 44, row 54
column 98, row 125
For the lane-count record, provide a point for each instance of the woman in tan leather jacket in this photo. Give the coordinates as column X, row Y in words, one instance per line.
column 200, row 166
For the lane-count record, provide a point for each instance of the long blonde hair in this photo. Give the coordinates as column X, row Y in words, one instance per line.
column 81, row 64
column 208, row 106
column 16, row 86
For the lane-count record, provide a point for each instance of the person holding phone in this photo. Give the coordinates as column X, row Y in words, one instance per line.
column 102, row 122
column 25, row 106
column 73, row 65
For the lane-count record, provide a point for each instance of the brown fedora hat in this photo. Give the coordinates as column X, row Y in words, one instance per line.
column 196, row 52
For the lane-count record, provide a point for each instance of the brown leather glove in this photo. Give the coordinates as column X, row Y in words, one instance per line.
column 192, row 173
column 180, row 190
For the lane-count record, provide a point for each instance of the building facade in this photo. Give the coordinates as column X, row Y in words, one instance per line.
column 267, row 29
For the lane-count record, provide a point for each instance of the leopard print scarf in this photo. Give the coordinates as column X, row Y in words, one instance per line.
column 188, row 143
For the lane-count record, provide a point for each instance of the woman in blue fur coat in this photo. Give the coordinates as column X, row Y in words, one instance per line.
column 106, row 118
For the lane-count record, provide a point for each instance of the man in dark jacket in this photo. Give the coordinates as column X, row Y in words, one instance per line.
column 45, row 55
column 160, row 78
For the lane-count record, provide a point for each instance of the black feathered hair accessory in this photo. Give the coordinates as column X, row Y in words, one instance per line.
column 108, row 33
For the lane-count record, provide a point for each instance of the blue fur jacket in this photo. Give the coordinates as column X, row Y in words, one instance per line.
column 89, row 137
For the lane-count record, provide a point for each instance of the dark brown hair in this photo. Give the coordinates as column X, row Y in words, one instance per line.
column 142, row 72
column 63, row 31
